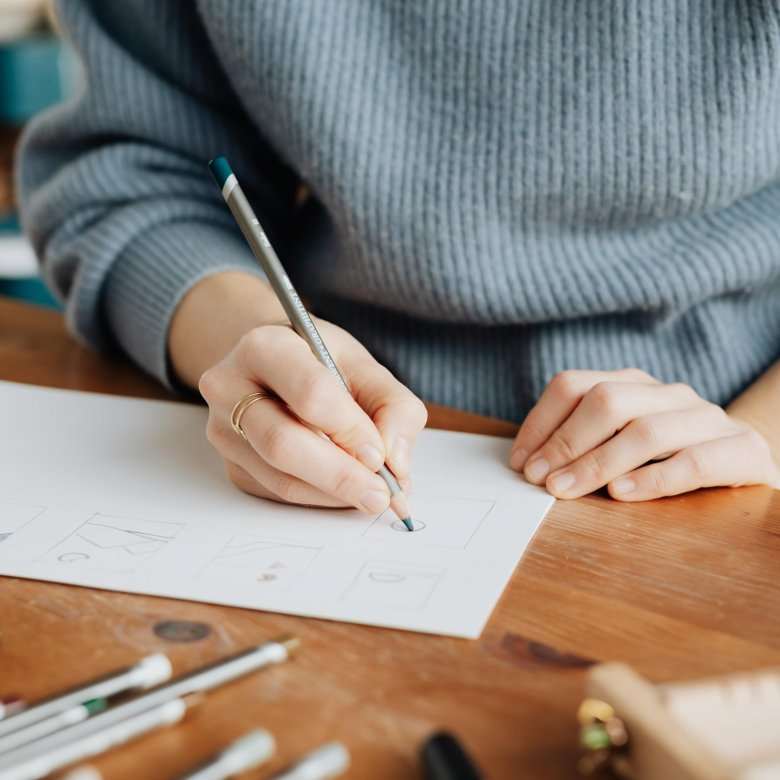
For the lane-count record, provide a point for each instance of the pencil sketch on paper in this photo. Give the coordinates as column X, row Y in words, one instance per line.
column 439, row 521
column 13, row 517
column 257, row 561
column 393, row 584
column 112, row 543
column 399, row 525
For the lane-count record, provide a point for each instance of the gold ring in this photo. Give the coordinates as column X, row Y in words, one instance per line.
column 241, row 407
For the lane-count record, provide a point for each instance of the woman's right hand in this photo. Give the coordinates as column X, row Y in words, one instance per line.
column 285, row 457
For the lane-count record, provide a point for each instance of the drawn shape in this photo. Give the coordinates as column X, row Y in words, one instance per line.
column 14, row 516
column 113, row 543
column 393, row 584
column 70, row 557
column 398, row 525
column 443, row 522
column 256, row 561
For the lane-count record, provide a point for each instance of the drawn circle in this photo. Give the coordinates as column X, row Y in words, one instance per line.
column 73, row 556
column 386, row 576
column 266, row 577
column 398, row 525
column 181, row 630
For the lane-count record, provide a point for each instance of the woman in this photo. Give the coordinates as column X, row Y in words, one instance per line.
column 561, row 213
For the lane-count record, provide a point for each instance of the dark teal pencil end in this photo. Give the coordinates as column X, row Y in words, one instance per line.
column 407, row 521
column 220, row 169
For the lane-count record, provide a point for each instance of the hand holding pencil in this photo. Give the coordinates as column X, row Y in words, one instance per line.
column 292, row 419
column 284, row 458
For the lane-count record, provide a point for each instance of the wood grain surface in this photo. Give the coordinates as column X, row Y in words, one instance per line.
column 680, row 588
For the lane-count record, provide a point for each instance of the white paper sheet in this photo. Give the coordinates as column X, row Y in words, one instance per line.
column 127, row 495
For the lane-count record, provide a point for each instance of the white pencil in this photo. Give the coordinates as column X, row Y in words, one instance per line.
column 56, row 722
column 199, row 680
column 84, row 772
column 148, row 671
column 246, row 753
column 327, row 761
column 93, row 744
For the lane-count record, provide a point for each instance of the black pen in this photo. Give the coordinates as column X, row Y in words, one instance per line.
column 445, row 759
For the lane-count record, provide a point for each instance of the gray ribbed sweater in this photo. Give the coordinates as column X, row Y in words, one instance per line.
column 500, row 189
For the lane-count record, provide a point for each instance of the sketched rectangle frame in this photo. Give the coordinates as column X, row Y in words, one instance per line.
column 468, row 541
column 40, row 558
column 441, row 573
column 199, row 575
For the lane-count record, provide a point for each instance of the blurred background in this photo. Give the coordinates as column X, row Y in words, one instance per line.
column 37, row 70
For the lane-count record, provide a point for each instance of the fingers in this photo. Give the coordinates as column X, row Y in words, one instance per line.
column 605, row 409
column 558, row 401
column 593, row 429
column 740, row 459
column 316, row 445
column 283, row 488
column 283, row 443
column 642, row 440
column 279, row 359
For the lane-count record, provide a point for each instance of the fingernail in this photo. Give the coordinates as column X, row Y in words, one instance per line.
column 370, row 457
column 406, row 485
column 562, row 482
column 537, row 469
column 621, row 486
column 517, row 459
column 376, row 501
column 400, row 455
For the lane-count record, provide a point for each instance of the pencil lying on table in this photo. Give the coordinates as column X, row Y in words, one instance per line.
column 44, row 763
column 149, row 671
column 166, row 703
column 325, row 762
column 246, row 753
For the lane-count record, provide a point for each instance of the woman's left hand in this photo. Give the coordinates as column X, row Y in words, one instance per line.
column 596, row 428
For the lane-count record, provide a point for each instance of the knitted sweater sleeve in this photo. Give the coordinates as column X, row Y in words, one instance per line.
column 113, row 186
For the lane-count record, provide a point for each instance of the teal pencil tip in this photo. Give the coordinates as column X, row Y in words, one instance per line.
column 220, row 169
column 407, row 521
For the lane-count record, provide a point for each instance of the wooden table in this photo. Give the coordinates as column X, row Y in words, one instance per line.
column 680, row 587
